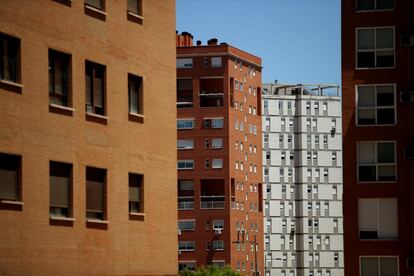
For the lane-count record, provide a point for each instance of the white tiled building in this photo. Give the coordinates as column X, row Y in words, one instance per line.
column 302, row 163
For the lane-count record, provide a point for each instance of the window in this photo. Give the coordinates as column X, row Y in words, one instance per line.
column 98, row 4
column 9, row 58
column 376, row 161
column 135, row 6
column 186, row 245
column 217, row 163
column 185, row 144
column 379, row 266
column 375, row 47
column 217, row 143
column 217, row 123
column 185, row 164
column 369, row 5
column 135, row 94
column 184, row 63
column 60, row 181
column 325, row 139
column 10, row 180
column 218, row 224
column 136, row 185
column 218, row 245
column 186, row 185
column 186, row 266
column 186, row 225
column 216, row 62
column 185, row 123
column 376, row 104
column 95, row 88
column 59, row 76
column 378, row 218
column 95, row 193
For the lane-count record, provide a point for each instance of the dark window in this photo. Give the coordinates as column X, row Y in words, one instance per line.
column 376, row 105
column 95, row 193
column 9, row 58
column 59, row 77
column 366, row 5
column 135, row 6
column 375, row 47
column 60, row 189
column 98, row 4
column 372, row 235
column 136, row 183
column 10, row 166
column 95, row 88
column 135, row 94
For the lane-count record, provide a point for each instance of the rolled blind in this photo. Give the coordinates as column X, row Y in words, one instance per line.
column 59, row 191
column 388, row 218
column 367, row 214
column 94, row 196
column 8, row 184
column 134, row 194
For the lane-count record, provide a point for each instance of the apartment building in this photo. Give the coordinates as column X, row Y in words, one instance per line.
column 377, row 78
column 219, row 156
column 302, row 177
column 84, row 133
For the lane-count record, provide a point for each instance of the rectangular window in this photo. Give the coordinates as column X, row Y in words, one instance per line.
column 216, row 62
column 98, row 4
column 375, row 47
column 185, row 164
column 217, row 163
column 376, row 161
column 95, row 88
column 184, row 63
column 135, row 6
column 217, row 123
column 185, row 144
column 9, row 58
column 136, row 185
column 10, row 180
column 185, row 123
column 218, row 245
column 218, row 224
column 186, row 225
column 376, row 104
column 135, row 94
column 95, row 193
column 186, row 185
column 60, row 181
column 217, row 143
column 371, row 5
column 378, row 218
column 379, row 266
column 59, row 78
column 186, row 245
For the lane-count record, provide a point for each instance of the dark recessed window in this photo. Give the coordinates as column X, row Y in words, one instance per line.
column 95, row 193
column 376, row 104
column 376, row 161
column 135, row 94
column 135, row 6
column 370, row 5
column 59, row 78
column 10, row 166
column 60, row 189
column 136, row 184
column 98, row 4
column 375, row 47
column 9, row 58
column 95, row 88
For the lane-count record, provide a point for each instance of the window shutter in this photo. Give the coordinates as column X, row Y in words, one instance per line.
column 59, row 191
column 8, row 184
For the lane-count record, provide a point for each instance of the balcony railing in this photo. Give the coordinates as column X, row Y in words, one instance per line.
column 185, row 203
column 212, row 202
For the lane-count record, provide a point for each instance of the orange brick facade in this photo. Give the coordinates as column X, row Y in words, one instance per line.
column 30, row 243
column 239, row 187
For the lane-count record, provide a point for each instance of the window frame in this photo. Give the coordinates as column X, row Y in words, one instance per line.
column 133, row 80
column 375, row 48
column 94, row 67
column 69, row 190
column 186, row 161
column 104, row 196
column 19, row 185
column 378, row 257
column 184, row 64
column 98, row 8
column 16, row 78
column 66, row 99
column 141, row 181
column 183, row 120
column 139, row 12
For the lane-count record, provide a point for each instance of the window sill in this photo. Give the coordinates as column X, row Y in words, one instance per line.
column 65, row 2
column 97, row 221
column 95, row 12
column 11, row 205
column 137, row 216
column 61, row 218
column 12, row 202
column 374, row 68
column 135, row 117
column 61, row 221
column 97, row 118
column 136, row 18
column 11, row 86
column 12, row 83
column 59, row 109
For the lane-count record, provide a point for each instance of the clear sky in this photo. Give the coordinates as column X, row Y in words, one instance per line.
column 298, row 40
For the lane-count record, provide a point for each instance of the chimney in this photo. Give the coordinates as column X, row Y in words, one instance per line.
column 198, row 42
column 184, row 39
column 212, row 41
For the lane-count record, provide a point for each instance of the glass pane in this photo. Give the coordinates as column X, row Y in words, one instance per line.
column 366, row 39
column 369, row 266
column 385, row 4
column 385, row 116
column 366, row 59
column 366, row 153
column 95, row 3
column 98, row 88
column 365, row 5
column 88, row 87
column 367, row 173
column 59, row 71
column 59, row 191
column 366, row 117
column 133, row 98
column 385, row 152
column 133, row 6
column 366, row 96
column 8, row 184
column 7, row 60
column 386, row 173
column 385, row 38
column 385, row 95
column 385, row 58
column 134, row 193
column 94, row 196
column 388, row 266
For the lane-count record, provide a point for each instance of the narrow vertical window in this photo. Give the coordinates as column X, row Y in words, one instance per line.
column 95, row 193
column 9, row 58
column 95, row 88
column 136, row 184
column 59, row 76
column 135, row 95
column 60, row 178
column 10, row 166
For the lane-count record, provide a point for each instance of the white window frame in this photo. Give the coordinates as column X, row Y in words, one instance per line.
column 186, row 161
column 217, row 143
column 183, row 144
column 186, row 64
column 218, row 224
column 192, row 221
column 217, row 163
column 186, row 120
column 214, row 63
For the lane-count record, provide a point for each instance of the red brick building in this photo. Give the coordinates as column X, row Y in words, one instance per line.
column 377, row 77
column 219, row 156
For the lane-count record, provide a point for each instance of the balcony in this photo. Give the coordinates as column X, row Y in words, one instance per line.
column 211, row 99
column 212, row 202
column 185, row 203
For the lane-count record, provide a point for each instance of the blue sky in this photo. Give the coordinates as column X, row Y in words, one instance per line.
column 298, row 40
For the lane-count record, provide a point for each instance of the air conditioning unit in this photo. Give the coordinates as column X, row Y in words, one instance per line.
column 217, row 231
column 410, row 262
column 407, row 40
column 333, row 130
column 409, row 153
column 407, row 96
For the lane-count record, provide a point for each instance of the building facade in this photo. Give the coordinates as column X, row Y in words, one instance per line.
column 302, row 169
column 377, row 64
column 84, row 135
column 219, row 156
